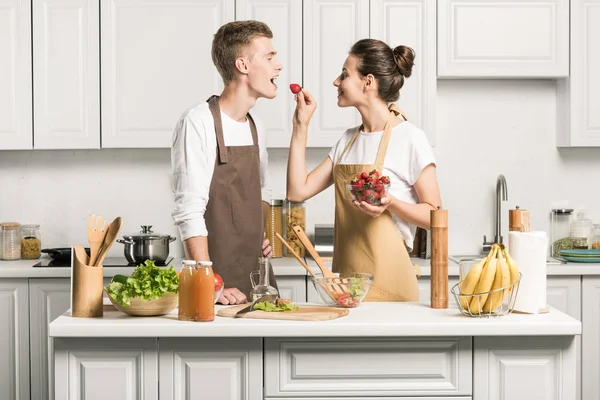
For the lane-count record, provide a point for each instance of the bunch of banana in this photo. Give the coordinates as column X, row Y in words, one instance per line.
column 493, row 272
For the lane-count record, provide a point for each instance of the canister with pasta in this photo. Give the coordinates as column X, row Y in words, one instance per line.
column 295, row 214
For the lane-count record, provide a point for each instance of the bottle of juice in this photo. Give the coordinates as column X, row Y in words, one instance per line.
column 204, row 279
column 187, row 299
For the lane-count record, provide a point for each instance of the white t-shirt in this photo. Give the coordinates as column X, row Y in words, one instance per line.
column 193, row 155
column 408, row 153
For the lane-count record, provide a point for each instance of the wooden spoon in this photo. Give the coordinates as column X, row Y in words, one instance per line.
column 313, row 252
column 95, row 232
column 300, row 260
column 111, row 234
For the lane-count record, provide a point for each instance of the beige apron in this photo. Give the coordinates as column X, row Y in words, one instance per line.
column 366, row 244
column 233, row 216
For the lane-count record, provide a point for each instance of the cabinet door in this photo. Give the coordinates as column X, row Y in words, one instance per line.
column 564, row 294
column 209, row 368
column 475, row 40
column 156, row 63
column 412, row 23
column 292, row 287
column 284, row 17
column 590, row 342
column 115, row 369
column 66, row 62
column 578, row 100
column 48, row 299
column 326, row 46
column 14, row 339
column 15, row 75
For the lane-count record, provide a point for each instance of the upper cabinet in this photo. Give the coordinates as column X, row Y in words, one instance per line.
column 412, row 23
column 66, row 74
column 284, row 17
column 15, row 75
column 156, row 63
column 578, row 98
column 503, row 38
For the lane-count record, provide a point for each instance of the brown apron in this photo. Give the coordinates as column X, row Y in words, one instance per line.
column 233, row 216
column 366, row 244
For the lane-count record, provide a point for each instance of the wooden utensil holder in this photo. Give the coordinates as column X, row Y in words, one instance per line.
column 439, row 258
column 86, row 286
column 518, row 220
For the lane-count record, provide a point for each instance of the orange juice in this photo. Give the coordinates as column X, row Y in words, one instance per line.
column 204, row 287
column 187, row 300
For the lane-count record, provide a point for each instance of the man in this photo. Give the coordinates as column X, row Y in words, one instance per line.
column 219, row 161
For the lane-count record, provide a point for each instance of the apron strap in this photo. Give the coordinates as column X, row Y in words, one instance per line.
column 385, row 140
column 253, row 129
column 393, row 107
column 213, row 105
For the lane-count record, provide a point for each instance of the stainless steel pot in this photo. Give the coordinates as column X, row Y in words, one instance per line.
column 146, row 245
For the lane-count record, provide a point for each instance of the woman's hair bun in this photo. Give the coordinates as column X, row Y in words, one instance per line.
column 405, row 58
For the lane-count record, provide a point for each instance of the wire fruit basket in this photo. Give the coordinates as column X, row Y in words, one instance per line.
column 494, row 303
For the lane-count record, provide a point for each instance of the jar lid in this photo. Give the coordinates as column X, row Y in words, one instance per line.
column 30, row 226
column 188, row 262
column 145, row 233
column 276, row 202
column 205, row 263
column 9, row 226
column 562, row 211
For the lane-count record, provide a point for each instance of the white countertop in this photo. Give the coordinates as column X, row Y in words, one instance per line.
column 367, row 320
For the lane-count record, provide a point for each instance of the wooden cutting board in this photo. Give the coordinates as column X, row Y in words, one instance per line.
column 303, row 313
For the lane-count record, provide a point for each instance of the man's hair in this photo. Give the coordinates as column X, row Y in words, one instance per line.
column 230, row 42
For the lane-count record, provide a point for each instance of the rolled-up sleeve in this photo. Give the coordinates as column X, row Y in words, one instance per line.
column 192, row 171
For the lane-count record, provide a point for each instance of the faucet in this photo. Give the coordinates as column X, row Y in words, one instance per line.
column 501, row 191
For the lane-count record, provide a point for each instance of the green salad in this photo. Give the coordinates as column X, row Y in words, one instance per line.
column 147, row 282
column 268, row 306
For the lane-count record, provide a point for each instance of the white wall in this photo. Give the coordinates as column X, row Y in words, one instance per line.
column 484, row 128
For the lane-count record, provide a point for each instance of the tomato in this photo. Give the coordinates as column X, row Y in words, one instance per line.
column 295, row 88
column 218, row 282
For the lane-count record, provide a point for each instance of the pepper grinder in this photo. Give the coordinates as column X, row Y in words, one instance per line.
column 439, row 258
column 518, row 220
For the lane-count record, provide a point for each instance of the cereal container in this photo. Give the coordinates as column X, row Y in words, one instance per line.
column 31, row 243
column 295, row 214
column 275, row 225
column 11, row 240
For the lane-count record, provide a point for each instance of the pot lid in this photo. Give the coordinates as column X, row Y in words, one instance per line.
column 145, row 233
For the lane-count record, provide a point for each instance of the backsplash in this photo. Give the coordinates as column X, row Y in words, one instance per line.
column 485, row 128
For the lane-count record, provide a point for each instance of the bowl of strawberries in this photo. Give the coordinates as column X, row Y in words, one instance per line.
column 369, row 187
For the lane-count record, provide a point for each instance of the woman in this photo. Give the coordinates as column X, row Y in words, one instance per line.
column 370, row 238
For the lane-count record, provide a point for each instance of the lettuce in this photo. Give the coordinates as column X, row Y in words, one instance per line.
column 268, row 306
column 147, row 282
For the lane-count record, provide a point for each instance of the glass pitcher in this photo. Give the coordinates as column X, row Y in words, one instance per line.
column 262, row 287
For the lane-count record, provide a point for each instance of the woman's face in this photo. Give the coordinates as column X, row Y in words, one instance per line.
column 350, row 84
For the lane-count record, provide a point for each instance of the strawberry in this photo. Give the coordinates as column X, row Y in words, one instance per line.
column 364, row 175
column 368, row 192
column 355, row 179
column 295, row 88
column 374, row 173
column 356, row 187
column 360, row 183
column 385, row 180
column 378, row 188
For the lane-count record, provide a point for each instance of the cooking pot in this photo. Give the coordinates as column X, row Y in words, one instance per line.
column 146, row 245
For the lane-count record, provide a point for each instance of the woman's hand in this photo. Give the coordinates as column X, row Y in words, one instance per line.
column 374, row 211
column 305, row 108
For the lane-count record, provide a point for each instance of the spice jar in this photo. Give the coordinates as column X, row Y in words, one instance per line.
column 275, row 225
column 581, row 230
column 295, row 214
column 11, row 240
column 31, row 242
column 561, row 230
column 596, row 237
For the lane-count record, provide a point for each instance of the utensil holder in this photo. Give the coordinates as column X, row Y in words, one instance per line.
column 86, row 286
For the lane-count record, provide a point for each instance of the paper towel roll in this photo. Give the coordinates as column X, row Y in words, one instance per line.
column 529, row 249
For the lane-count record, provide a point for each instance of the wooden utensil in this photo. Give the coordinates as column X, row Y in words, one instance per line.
column 300, row 260
column 439, row 258
column 111, row 235
column 303, row 313
column 95, row 232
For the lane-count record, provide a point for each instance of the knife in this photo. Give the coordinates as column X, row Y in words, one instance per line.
column 267, row 297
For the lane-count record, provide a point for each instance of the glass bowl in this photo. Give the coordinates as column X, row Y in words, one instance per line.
column 371, row 196
column 347, row 292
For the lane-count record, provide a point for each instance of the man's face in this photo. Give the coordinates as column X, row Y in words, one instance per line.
column 263, row 68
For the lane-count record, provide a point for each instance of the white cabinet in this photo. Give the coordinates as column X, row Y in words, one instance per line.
column 292, row 287
column 412, row 23
column 524, row 368
column 590, row 338
column 156, row 63
column 503, row 38
column 284, row 17
column 15, row 75
column 578, row 98
column 14, row 339
column 343, row 367
column 564, row 294
column 48, row 299
column 206, row 368
column 66, row 74
column 331, row 27
column 116, row 369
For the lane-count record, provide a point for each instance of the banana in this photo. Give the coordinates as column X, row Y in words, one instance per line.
column 485, row 283
column 467, row 286
column 501, row 279
column 512, row 266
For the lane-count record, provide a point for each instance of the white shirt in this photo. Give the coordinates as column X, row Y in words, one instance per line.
column 408, row 153
column 193, row 155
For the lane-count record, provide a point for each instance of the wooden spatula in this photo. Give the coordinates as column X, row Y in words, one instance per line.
column 111, row 235
column 95, row 232
column 291, row 250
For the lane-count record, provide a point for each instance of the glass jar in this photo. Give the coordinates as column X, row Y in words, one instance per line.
column 31, row 242
column 204, row 292
column 187, row 297
column 295, row 214
column 561, row 230
column 581, row 231
column 596, row 237
column 275, row 225
column 11, row 240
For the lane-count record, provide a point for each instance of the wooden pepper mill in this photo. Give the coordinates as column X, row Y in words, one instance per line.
column 439, row 258
column 518, row 220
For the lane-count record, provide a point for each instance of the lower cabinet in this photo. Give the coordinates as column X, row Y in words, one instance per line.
column 208, row 368
column 380, row 367
column 590, row 338
column 99, row 369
